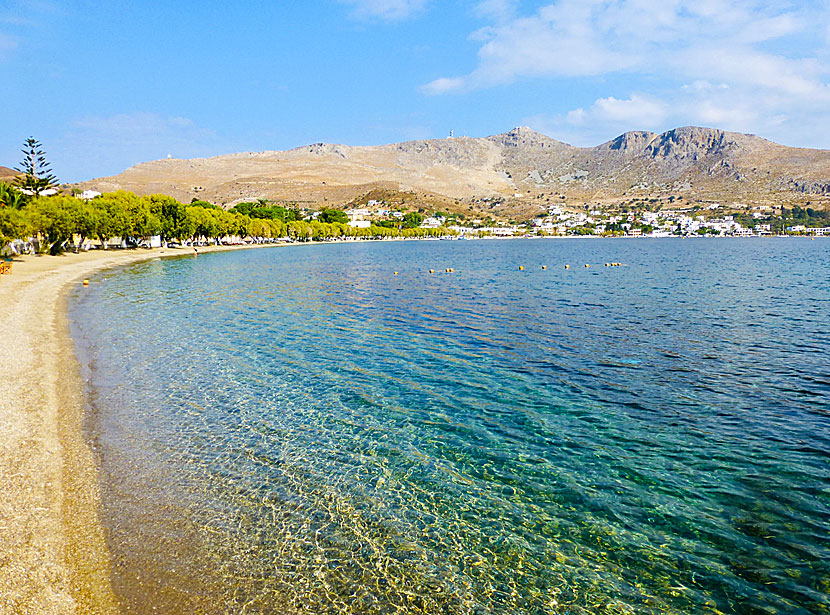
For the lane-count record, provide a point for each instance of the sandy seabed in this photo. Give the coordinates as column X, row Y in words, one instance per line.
column 53, row 555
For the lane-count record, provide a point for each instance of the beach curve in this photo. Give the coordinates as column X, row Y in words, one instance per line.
column 53, row 554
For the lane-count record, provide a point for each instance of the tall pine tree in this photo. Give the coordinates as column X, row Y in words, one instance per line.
column 37, row 175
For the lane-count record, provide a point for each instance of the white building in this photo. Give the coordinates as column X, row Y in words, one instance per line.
column 357, row 214
column 432, row 222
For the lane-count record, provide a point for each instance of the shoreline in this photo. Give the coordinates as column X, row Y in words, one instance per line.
column 54, row 554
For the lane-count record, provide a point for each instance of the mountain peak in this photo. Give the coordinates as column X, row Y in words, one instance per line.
column 524, row 136
column 699, row 163
column 695, row 142
column 634, row 141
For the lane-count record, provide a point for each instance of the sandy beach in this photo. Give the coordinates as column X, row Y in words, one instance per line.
column 53, row 556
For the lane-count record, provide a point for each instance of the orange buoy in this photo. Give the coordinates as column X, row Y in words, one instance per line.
column 587, row 265
column 544, row 266
column 86, row 282
column 521, row 268
column 432, row 270
column 567, row 266
column 396, row 273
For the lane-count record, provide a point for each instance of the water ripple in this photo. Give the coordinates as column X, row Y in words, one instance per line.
column 299, row 431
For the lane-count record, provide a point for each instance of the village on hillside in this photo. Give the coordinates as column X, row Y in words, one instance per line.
column 711, row 221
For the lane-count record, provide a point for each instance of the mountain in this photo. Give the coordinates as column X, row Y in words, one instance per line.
column 521, row 170
column 6, row 174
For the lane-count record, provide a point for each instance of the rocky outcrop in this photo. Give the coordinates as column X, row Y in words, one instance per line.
column 632, row 143
column 524, row 138
column 521, row 164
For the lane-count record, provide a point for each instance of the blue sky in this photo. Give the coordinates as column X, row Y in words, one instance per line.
column 105, row 85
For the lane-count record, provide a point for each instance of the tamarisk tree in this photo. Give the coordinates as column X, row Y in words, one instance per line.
column 37, row 175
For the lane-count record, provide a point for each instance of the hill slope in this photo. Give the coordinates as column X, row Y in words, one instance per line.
column 7, row 174
column 521, row 167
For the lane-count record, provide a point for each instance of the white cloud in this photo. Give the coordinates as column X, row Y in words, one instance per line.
column 439, row 86
column 748, row 65
column 497, row 10
column 388, row 10
column 556, row 42
column 108, row 145
column 604, row 119
column 636, row 111
column 804, row 122
column 689, row 38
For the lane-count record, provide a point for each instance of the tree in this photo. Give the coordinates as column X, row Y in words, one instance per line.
column 86, row 222
column 333, row 215
column 11, row 197
column 412, row 220
column 112, row 215
column 175, row 223
column 13, row 225
column 205, row 204
column 54, row 219
column 37, row 174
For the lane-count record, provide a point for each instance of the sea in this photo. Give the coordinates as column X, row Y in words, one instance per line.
column 530, row 426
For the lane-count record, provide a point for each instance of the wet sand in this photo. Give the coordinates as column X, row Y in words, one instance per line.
column 53, row 556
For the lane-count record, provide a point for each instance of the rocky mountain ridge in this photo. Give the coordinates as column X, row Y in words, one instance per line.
column 521, row 169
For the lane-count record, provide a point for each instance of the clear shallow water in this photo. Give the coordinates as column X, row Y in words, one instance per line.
column 298, row 430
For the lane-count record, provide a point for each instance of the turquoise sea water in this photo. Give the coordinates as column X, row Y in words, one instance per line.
column 298, row 430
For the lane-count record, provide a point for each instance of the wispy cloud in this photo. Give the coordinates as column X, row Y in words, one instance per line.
column 802, row 122
column 584, row 38
column 387, row 10
column 18, row 16
column 497, row 10
column 767, row 59
column 95, row 146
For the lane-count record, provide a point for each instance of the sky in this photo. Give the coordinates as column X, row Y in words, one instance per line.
column 105, row 85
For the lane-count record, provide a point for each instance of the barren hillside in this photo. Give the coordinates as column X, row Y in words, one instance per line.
column 521, row 169
column 6, row 173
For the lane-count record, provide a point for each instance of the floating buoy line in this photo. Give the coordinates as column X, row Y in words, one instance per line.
column 520, row 268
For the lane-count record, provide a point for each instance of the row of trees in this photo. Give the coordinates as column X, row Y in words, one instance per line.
column 54, row 221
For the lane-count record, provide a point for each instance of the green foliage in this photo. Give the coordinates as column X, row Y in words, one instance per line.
column 262, row 210
column 175, row 223
column 11, row 197
column 37, row 175
column 412, row 220
column 13, row 225
column 55, row 221
column 243, row 208
column 333, row 215
column 113, row 217
column 205, row 204
column 581, row 230
column 393, row 223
